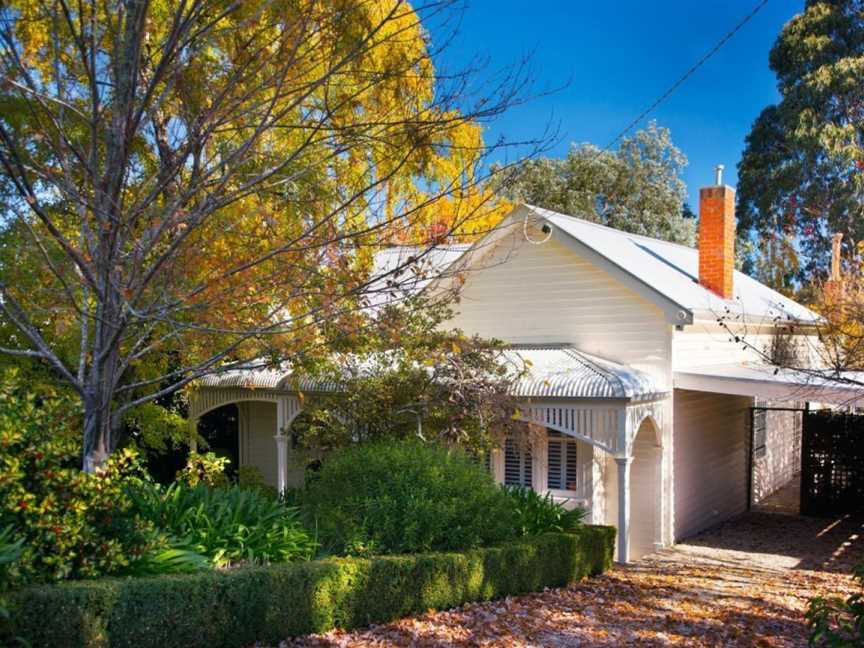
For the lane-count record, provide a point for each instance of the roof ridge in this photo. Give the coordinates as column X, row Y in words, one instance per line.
column 615, row 229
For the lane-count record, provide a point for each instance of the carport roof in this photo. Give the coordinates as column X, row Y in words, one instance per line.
column 773, row 383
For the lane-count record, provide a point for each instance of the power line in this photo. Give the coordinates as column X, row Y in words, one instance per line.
column 688, row 73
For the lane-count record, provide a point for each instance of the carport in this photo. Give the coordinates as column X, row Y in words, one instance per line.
column 823, row 447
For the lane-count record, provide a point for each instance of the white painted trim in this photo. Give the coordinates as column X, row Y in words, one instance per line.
column 623, row 464
column 595, row 425
column 768, row 389
column 675, row 313
column 281, row 462
column 539, row 449
column 496, row 461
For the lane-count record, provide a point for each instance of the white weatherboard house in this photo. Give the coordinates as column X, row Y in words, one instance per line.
column 638, row 399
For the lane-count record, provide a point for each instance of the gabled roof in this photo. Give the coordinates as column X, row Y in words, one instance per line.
column 669, row 271
column 410, row 269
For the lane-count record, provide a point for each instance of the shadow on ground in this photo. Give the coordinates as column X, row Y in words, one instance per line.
column 789, row 542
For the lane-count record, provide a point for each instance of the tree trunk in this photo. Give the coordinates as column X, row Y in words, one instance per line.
column 97, row 435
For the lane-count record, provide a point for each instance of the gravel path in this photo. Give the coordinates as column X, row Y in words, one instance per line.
column 744, row 583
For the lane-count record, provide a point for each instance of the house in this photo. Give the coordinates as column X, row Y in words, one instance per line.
column 639, row 395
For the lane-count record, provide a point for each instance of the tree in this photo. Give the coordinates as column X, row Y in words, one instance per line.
column 637, row 188
column 187, row 183
column 409, row 376
column 800, row 178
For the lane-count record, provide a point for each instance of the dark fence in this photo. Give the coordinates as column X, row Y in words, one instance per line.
column 832, row 463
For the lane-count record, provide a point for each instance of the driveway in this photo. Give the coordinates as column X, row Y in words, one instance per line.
column 743, row 583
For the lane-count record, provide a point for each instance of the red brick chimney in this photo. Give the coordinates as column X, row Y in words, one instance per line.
column 717, row 237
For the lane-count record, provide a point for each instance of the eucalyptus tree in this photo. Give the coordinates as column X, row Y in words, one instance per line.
column 637, row 188
column 801, row 178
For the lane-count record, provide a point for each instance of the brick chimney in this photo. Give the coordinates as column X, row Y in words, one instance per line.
column 717, row 236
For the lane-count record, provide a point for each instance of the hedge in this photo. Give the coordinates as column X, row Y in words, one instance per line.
column 238, row 607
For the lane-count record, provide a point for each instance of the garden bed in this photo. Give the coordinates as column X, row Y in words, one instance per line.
column 233, row 608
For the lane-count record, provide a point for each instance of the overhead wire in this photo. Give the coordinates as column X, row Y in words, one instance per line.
column 688, row 73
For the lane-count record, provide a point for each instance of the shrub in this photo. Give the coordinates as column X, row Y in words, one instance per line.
column 229, row 525
column 836, row 622
column 267, row 604
column 69, row 524
column 204, row 468
column 252, row 478
column 536, row 514
column 405, row 497
column 10, row 552
column 72, row 524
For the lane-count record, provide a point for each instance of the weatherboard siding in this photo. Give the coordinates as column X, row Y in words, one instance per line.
column 536, row 294
column 711, row 344
column 257, row 431
column 711, row 438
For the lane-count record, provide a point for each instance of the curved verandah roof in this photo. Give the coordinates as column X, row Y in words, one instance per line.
column 550, row 371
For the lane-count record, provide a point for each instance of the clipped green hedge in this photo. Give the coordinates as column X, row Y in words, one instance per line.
column 236, row 608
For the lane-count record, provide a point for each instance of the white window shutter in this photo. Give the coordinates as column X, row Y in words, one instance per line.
column 562, row 462
column 517, row 463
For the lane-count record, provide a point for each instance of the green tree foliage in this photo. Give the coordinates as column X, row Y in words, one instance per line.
column 407, row 376
column 637, row 188
column 802, row 174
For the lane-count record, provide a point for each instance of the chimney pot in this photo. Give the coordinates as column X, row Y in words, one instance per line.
column 836, row 241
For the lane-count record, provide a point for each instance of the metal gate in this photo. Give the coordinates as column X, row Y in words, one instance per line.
column 832, row 463
column 758, row 445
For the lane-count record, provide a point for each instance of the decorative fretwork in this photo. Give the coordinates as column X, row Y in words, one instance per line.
column 598, row 426
column 206, row 399
column 611, row 428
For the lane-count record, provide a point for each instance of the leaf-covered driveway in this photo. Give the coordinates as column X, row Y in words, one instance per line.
column 745, row 583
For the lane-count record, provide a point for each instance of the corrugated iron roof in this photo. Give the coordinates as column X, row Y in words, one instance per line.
column 551, row 371
column 562, row 371
column 673, row 271
column 774, row 383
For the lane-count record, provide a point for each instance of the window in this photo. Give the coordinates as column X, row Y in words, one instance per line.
column 562, row 466
column 760, row 432
column 517, row 463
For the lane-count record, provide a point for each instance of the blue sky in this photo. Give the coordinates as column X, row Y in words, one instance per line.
column 619, row 56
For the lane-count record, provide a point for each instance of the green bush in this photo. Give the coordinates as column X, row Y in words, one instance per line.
column 72, row 524
column 251, row 477
column 536, row 514
column 229, row 525
column 233, row 608
column 838, row 623
column 391, row 497
column 204, row 468
column 10, row 552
